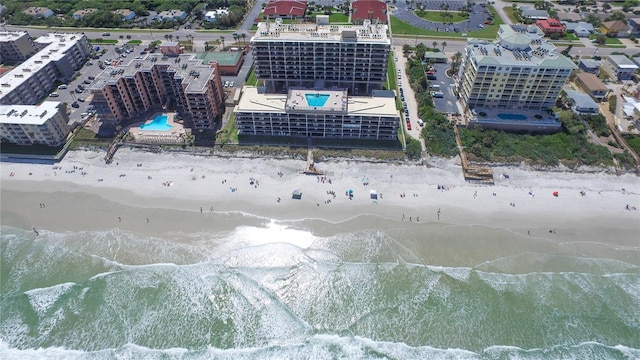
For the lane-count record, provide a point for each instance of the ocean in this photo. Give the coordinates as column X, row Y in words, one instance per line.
column 310, row 289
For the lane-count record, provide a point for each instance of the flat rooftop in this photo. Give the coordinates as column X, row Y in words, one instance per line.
column 278, row 31
column 7, row 36
column 255, row 101
column 58, row 43
column 28, row 114
column 185, row 66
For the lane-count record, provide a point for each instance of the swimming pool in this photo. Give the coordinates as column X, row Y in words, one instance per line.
column 159, row 123
column 317, row 100
column 512, row 117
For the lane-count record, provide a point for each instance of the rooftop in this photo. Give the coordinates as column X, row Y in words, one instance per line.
column 185, row 67
column 253, row 100
column 28, row 114
column 591, row 82
column 285, row 8
column 518, row 48
column 622, row 62
column 321, row 33
column 54, row 51
column 369, row 9
column 8, row 36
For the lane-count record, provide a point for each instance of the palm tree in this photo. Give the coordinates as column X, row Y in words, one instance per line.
column 435, row 44
column 455, row 63
column 244, row 37
column 444, row 43
column 222, row 40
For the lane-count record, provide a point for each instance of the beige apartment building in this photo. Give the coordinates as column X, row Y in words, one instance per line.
column 58, row 58
column 353, row 57
column 513, row 80
column 45, row 124
column 125, row 92
column 15, row 47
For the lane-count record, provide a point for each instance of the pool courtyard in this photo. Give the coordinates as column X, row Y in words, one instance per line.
column 159, row 129
column 310, row 99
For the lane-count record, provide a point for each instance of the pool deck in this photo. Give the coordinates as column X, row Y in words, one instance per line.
column 297, row 100
column 172, row 136
column 492, row 119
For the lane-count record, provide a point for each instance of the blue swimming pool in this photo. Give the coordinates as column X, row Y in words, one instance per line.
column 512, row 117
column 159, row 123
column 317, row 100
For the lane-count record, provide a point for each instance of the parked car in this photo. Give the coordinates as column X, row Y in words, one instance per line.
column 420, row 122
column 106, row 34
column 75, row 105
column 437, row 94
column 81, row 99
column 232, row 84
column 62, row 87
column 54, row 94
column 408, row 125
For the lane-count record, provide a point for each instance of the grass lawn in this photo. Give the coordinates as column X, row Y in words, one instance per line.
column 511, row 13
column 252, row 80
column 103, row 41
column 570, row 36
column 229, row 134
column 613, row 41
column 338, row 18
column 441, row 16
column 134, row 42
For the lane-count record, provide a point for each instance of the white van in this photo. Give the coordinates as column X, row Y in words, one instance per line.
column 420, row 122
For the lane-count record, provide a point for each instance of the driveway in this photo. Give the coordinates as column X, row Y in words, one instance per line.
column 477, row 16
column 409, row 96
column 447, row 103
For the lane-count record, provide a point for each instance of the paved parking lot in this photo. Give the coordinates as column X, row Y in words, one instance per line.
column 477, row 17
column 447, row 103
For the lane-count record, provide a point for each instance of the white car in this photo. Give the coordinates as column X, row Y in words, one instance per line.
column 232, row 84
column 62, row 87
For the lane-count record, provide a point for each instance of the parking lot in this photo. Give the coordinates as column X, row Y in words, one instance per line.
column 477, row 16
column 446, row 103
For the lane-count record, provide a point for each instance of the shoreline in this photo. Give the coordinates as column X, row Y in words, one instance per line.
column 522, row 203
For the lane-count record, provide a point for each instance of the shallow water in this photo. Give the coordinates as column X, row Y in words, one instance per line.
column 261, row 288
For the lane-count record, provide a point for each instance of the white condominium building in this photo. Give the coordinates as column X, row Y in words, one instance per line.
column 29, row 124
column 15, row 46
column 518, row 71
column 59, row 58
column 353, row 57
column 308, row 113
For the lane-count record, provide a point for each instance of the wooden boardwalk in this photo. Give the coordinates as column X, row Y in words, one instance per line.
column 472, row 173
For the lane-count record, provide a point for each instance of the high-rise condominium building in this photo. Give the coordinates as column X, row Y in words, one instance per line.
column 321, row 56
column 59, row 58
column 181, row 83
column 517, row 74
column 28, row 124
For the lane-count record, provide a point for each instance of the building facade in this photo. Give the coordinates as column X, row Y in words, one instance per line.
column 45, row 124
column 321, row 56
column 306, row 113
column 60, row 56
column 519, row 72
column 124, row 92
column 16, row 46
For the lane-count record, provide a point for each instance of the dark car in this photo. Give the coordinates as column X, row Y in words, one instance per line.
column 75, row 105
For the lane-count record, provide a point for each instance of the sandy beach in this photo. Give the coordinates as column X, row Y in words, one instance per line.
column 141, row 188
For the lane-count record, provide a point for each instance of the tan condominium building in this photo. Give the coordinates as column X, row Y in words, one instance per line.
column 518, row 71
column 125, row 92
column 15, row 47
column 309, row 113
column 353, row 57
column 45, row 124
column 59, row 57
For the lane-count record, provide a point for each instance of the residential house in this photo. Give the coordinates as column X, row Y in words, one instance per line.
column 582, row 104
column 569, row 16
column 214, row 15
column 590, row 84
column 531, row 13
column 580, row 29
column 590, row 65
column 172, row 15
column 634, row 24
column 615, row 28
column 126, row 14
column 550, row 26
column 38, row 11
column 285, row 9
column 373, row 10
column 78, row 15
column 631, row 108
column 619, row 67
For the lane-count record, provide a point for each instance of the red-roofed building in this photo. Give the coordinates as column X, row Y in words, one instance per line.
column 373, row 10
column 550, row 26
column 285, row 8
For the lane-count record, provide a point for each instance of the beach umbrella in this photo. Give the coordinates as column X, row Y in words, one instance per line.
column 350, row 191
column 555, row 193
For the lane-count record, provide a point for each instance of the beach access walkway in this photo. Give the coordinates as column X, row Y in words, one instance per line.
column 475, row 174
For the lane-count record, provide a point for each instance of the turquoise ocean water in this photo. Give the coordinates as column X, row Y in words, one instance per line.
column 335, row 293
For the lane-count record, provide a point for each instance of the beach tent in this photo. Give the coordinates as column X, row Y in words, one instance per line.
column 297, row 194
column 555, row 193
column 374, row 194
